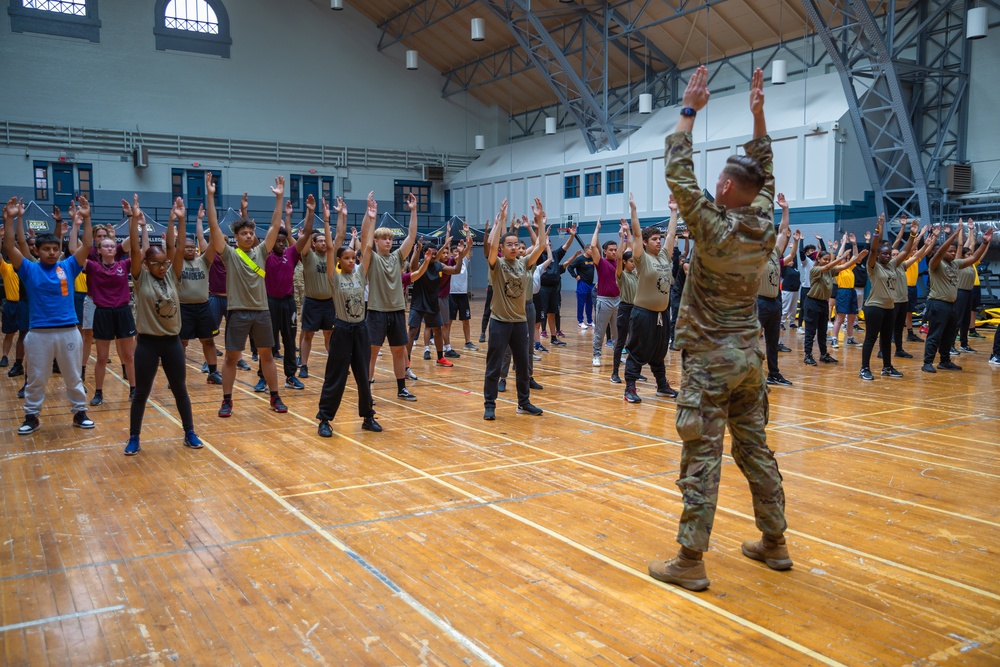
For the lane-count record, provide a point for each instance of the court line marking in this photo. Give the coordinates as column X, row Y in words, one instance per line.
column 61, row 617
column 936, row 464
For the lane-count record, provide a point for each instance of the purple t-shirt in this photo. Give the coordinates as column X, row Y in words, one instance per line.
column 217, row 276
column 108, row 285
column 606, row 283
column 280, row 273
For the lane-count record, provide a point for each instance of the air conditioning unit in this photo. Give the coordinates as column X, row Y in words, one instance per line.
column 140, row 157
column 958, row 178
column 431, row 172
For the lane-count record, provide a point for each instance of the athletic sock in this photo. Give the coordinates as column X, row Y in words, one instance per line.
column 427, row 348
column 227, row 397
column 401, row 384
column 447, row 348
column 274, row 394
column 212, row 368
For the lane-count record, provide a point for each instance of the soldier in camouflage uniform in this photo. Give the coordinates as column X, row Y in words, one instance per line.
column 718, row 332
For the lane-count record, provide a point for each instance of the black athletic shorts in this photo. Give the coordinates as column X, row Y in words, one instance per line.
column 11, row 317
column 317, row 314
column 432, row 320
column 911, row 297
column 977, row 297
column 113, row 323
column 548, row 300
column 539, row 311
column 198, row 321
column 458, row 307
column 391, row 326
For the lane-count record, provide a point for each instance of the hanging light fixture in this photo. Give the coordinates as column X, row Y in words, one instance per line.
column 645, row 103
column 779, row 72
column 976, row 23
column 550, row 125
column 478, row 30
column 336, row 5
column 480, row 142
column 412, row 59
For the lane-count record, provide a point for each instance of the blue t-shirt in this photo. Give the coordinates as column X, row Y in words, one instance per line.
column 50, row 292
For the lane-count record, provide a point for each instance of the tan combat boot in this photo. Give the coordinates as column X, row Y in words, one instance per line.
column 770, row 551
column 689, row 574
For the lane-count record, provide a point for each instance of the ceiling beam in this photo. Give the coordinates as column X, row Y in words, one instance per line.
column 419, row 16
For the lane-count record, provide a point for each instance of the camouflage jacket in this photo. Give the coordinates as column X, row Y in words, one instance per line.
column 719, row 302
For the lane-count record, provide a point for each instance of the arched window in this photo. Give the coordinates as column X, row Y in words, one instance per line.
column 66, row 18
column 200, row 26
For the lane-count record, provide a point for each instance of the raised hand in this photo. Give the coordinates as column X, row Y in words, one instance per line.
column 56, row 214
column 819, row 237
column 782, row 202
column 465, row 229
column 597, row 226
column 524, row 221
column 797, row 235
column 503, row 211
column 672, row 205
column 289, row 210
column 136, row 211
column 341, row 207
column 862, row 255
column 696, row 94
column 411, row 202
column 913, row 228
column 757, row 92
column 210, row 186
column 539, row 212
column 244, row 202
column 868, row 237
column 279, row 187
column 201, row 212
column 988, row 235
column 178, row 210
column 20, row 207
column 310, row 204
column 879, row 226
column 326, row 210
column 126, row 209
column 852, row 238
column 631, row 203
column 372, row 205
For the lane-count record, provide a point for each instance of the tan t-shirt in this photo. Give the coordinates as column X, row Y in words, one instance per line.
column 902, row 294
column 655, row 279
column 967, row 277
column 385, row 282
column 244, row 287
column 510, row 282
column 770, row 277
column 944, row 282
column 821, row 283
column 628, row 282
column 157, row 306
column 317, row 286
column 348, row 293
column 194, row 281
column 883, row 280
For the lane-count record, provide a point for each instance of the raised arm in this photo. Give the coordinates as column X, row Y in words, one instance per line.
column 636, row 246
column 934, row 261
column 784, row 229
column 876, row 241
column 199, row 231
column 218, row 239
column 543, row 233
column 331, row 249
column 22, row 239
column 792, row 257
column 668, row 242
column 305, row 234
column 980, row 251
column 135, row 250
column 367, row 227
column 178, row 212
column 415, row 257
column 847, row 264
column 911, row 241
column 595, row 245
column 899, row 236
column 74, row 232
column 567, row 264
column 493, row 240
column 81, row 253
column 9, row 234
column 279, row 197
column 463, row 252
column 411, row 230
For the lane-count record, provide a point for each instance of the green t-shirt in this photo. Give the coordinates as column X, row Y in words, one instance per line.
column 244, row 287
column 194, row 281
column 510, row 281
column 655, row 278
column 944, row 282
column 770, row 277
column 628, row 282
column 883, row 280
column 821, row 283
column 317, row 286
column 385, row 282
column 348, row 293
column 157, row 306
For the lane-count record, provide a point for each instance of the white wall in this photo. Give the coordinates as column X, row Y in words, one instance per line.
column 984, row 100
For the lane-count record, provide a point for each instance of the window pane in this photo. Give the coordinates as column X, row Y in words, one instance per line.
column 191, row 15
column 73, row 7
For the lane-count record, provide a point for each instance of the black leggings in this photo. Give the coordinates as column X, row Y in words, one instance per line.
column 486, row 309
column 648, row 341
column 624, row 315
column 899, row 311
column 817, row 315
column 150, row 351
column 350, row 351
column 878, row 324
column 963, row 311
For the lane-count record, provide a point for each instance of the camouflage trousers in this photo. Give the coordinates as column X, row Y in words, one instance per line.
column 299, row 282
column 720, row 387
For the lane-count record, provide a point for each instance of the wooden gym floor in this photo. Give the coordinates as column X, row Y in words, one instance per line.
column 447, row 540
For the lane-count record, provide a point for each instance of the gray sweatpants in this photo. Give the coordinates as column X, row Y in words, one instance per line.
column 529, row 313
column 41, row 346
column 605, row 312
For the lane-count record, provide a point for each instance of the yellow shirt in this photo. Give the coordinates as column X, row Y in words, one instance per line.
column 80, row 284
column 912, row 273
column 976, row 267
column 845, row 279
column 11, row 283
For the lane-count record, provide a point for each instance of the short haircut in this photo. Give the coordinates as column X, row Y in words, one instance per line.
column 242, row 224
column 282, row 232
column 152, row 251
column 650, row 232
column 42, row 239
column 609, row 243
column 808, row 249
column 509, row 235
column 627, row 255
column 383, row 233
column 746, row 172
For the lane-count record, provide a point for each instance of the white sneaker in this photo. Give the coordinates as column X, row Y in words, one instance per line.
column 597, row 361
column 410, row 375
column 801, row 331
column 536, row 357
column 582, row 325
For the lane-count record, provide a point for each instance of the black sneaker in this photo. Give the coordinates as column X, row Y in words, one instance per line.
column 278, row 356
column 81, row 420
column 242, row 365
column 324, row 430
column 304, row 371
column 534, row 385
column 489, row 414
column 226, row 410
column 292, row 382
column 615, row 379
column 452, row 354
column 98, row 398
column 809, row 361
column 967, row 350
column 482, row 338
column 502, row 385
column 928, row 368
column 427, row 355
column 30, row 425
column 630, row 394
column 470, row 346
column 255, row 358
column 529, row 409
column 369, row 424
column 278, row 405
column 891, row 372
column 540, row 348
column 20, row 392
column 866, row 374
column 828, row 359
column 643, row 378
column 902, row 354
column 16, row 370
column 405, row 394
column 3, row 361
column 778, row 379
column 995, row 360
column 783, row 348
column 131, row 394
column 557, row 342
column 953, row 352
column 949, row 366
column 913, row 338
column 666, row 391
column 261, row 386
column 214, row 378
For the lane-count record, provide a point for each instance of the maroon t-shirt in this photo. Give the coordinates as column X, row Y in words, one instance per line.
column 444, row 288
column 280, row 273
column 217, row 276
column 606, row 283
column 95, row 255
column 108, row 285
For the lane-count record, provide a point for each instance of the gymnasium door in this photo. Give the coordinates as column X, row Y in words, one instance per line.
column 62, row 190
column 310, row 186
column 196, row 192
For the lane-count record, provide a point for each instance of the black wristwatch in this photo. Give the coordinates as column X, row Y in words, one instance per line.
column 688, row 111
